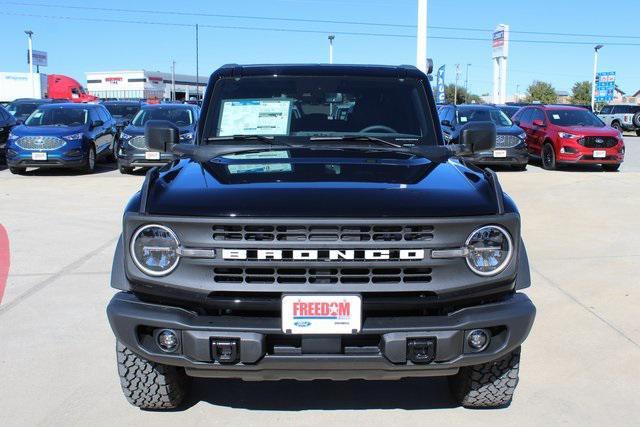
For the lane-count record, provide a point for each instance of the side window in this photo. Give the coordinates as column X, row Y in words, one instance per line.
column 3, row 115
column 606, row 110
column 537, row 115
column 105, row 113
column 93, row 115
column 525, row 116
column 615, row 110
column 449, row 115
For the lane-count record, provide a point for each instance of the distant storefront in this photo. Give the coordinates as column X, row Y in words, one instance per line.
column 142, row 84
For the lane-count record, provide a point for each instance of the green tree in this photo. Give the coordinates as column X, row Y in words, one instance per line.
column 462, row 96
column 581, row 93
column 541, row 92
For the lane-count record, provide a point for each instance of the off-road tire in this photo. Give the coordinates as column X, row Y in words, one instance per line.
column 611, row 167
column 150, row 385
column 17, row 171
column 548, row 157
column 125, row 170
column 638, row 132
column 636, row 119
column 490, row 385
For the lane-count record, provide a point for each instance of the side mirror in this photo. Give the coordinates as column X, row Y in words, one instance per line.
column 161, row 134
column 97, row 123
column 516, row 122
column 477, row 136
column 445, row 123
column 539, row 123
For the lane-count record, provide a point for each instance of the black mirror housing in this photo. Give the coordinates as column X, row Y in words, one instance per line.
column 97, row 123
column 445, row 123
column 161, row 135
column 477, row 136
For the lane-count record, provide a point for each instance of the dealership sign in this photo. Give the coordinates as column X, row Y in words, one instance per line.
column 605, row 86
column 440, row 94
column 500, row 41
column 113, row 80
column 39, row 57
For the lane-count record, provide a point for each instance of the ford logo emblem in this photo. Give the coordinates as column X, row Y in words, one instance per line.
column 302, row 323
column 599, row 141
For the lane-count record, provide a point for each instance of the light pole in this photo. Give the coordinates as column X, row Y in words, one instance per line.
column 173, row 80
column 421, row 45
column 197, row 65
column 595, row 71
column 466, row 84
column 455, row 87
column 517, row 93
column 29, row 34
column 331, row 37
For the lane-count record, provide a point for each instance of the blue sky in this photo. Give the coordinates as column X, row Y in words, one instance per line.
column 75, row 47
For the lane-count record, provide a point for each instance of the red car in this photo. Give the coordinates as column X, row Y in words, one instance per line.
column 569, row 135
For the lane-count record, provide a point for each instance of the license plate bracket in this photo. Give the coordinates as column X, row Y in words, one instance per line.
column 500, row 153
column 152, row 155
column 599, row 154
column 39, row 156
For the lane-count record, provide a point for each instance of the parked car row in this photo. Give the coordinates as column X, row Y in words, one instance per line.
column 552, row 134
column 76, row 136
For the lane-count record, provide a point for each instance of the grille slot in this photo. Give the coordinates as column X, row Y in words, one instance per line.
column 323, row 233
column 590, row 141
column 507, row 141
column 40, row 143
column 329, row 275
column 138, row 142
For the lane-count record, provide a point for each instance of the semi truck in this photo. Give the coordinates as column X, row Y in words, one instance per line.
column 53, row 86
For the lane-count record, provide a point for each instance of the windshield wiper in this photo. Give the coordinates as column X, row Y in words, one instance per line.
column 261, row 138
column 364, row 138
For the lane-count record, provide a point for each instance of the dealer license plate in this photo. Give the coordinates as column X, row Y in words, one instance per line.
column 321, row 314
column 500, row 153
column 599, row 154
column 38, row 156
column 152, row 155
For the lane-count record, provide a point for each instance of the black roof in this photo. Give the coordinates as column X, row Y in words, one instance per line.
column 319, row 70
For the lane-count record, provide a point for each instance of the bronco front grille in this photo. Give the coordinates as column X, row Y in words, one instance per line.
column 138, row 142
column 40, row 143
column 598, row 141
column 323, row 233
column 328, row 275
column 507, row 141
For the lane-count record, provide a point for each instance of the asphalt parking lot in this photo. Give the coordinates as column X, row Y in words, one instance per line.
column 580, row 364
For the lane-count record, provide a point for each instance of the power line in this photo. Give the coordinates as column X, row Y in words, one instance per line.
column 298, row 30
column 303, row 20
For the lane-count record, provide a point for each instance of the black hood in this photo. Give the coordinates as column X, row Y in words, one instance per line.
column 321, row 183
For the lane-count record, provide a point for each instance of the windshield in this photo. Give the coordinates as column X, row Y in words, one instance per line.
column 58, row 117
column 123, row 111
column 306, row 106
column 579, row 117
column 21, row 109
column 494, row 115
column 177, row 116
column 509, row 111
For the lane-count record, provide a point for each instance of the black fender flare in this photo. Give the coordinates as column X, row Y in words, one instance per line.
column 118, row 276
column 523, row 278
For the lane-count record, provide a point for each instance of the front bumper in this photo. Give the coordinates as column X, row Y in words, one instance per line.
column 261, row 357
column 54, row 160
column 136, row 158
column 514, row 156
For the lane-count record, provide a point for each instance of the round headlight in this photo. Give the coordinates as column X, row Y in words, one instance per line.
column 154, row 249
column 490, row 250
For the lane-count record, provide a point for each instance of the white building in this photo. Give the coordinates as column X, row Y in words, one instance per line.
column 143, row 84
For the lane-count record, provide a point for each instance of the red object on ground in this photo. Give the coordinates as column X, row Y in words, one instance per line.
column 4, row 259
column 64, row 87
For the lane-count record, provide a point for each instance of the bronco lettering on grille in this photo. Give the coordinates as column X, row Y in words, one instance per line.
column 323, row 254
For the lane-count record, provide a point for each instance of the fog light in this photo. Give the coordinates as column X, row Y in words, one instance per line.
column 168, row 340
column 478, row 339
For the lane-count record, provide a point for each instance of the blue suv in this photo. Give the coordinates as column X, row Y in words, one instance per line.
column 61, row 136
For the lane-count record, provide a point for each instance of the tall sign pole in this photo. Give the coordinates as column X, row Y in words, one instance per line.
column 29, row 33
column 197, row 66
column 500, row 46
column 173, row 80
column 421, row 45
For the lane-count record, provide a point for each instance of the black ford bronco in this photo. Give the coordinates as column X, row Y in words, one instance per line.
column 318, row 228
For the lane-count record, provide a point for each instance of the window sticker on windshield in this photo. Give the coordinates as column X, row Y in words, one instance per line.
column 463, row 119
column 556, row 117
column 255, row 117
column 259, row 167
